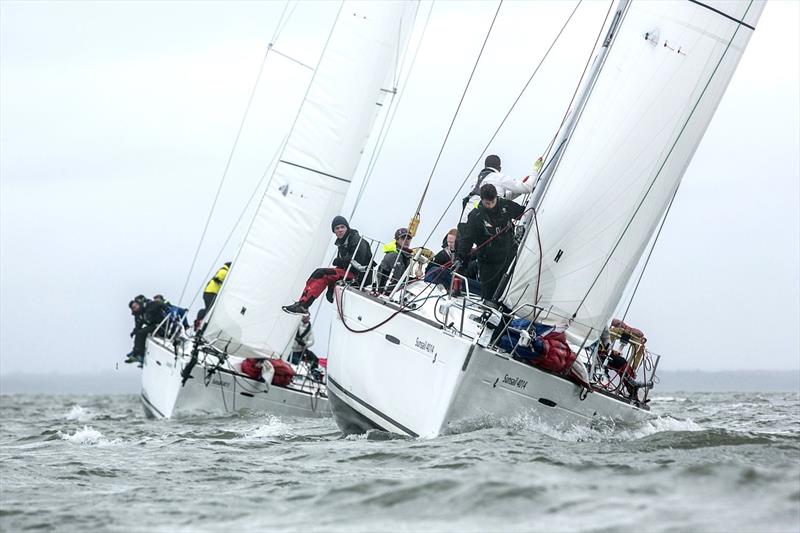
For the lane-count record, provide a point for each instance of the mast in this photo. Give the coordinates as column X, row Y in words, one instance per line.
column 562, row 140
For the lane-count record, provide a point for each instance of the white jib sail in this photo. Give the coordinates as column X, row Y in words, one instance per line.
column 291, row 229
column 662, row 81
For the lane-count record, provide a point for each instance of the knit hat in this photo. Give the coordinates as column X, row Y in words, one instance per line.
column 339, row 220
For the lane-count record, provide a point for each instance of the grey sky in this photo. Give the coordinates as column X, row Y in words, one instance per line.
column 116, row 120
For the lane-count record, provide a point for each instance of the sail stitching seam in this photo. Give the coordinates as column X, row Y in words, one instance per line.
column 314, row 170
column 739, row 21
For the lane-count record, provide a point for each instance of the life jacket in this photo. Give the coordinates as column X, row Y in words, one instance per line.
column 284, row 373
column 476, row 190
column 215, row 283
column 556, row 354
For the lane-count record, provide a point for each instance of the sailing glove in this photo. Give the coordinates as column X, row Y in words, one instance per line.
column 340, row 262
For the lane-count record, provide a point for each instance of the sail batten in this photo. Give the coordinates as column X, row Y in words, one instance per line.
column 648, row 110
column 291, row 229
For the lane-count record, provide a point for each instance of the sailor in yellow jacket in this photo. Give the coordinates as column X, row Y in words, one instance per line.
column 214, row 285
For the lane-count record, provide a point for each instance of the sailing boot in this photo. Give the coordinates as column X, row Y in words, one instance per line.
column 296, row 308
column 329, row 294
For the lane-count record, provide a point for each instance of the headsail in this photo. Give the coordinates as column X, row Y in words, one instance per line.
column 291, row 229
column 648, row 110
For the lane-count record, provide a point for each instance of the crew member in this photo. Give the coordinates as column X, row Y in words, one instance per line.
column 490, row 227
column 214, row 285
column 303, row 340
column 506, row 186
column 395, row 261
column 147, row 314
column 352, row 252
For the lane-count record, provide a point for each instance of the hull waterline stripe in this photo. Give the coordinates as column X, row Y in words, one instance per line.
column 368, row 406
column 743, row 23
column 314, row 171
column 149, row 405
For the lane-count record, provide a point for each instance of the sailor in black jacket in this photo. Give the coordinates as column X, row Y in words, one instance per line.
column 490, row 227
column 353, row 252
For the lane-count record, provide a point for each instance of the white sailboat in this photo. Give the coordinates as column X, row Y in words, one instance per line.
column 420, row 361
column 290, row 232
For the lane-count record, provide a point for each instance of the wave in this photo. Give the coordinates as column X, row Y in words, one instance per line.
column 603, row 430
column 88, row 436
column 273, row 427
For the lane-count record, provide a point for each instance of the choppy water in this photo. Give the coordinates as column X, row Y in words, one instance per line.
column 713, row 462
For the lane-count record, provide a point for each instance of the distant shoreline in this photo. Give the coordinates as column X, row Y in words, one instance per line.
column 127, row 381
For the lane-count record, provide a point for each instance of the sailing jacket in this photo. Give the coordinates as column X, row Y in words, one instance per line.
column 484, row 224
column 507, row 187
column 215, row 284
column 351, row 252
column 392, row 268
column 151, row 314
column 442, row 258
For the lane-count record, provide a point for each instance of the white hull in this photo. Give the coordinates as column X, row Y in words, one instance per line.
column 411, row 377
column 227, row 391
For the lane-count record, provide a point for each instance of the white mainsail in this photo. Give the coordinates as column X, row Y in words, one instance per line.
column 660, row 85
column 291, row 229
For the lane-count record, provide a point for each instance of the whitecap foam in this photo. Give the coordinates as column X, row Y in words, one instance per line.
column 602, row 430
column 667, row 399
column 88, row 436
column 274, row 427
column 79, row 413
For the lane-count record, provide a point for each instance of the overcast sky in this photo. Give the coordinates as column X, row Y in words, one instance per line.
column 117, row 118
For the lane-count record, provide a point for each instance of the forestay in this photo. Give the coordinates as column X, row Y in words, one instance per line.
column 652, row 102
column 291, row 229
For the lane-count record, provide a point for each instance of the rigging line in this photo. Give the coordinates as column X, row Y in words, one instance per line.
column 455, row 115
column 283, row 22
column 278, row 28
column 227, row 166
column 500, row 126
column 381, row 141
column 291, row 130
column 663, row 164
column 580, row 80
column 650, row 253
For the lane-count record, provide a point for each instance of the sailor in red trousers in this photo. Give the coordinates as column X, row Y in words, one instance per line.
column 353, row 252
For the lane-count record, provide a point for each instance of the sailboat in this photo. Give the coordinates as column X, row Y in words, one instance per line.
column 289, row 234
column 424, row 359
